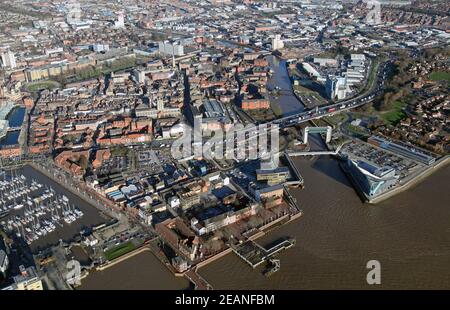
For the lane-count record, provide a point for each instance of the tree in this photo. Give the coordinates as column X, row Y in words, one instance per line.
column 83, row 162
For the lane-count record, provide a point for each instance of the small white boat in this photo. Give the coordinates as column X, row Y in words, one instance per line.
column 18, row 207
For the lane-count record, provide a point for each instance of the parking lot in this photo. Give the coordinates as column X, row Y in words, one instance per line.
column 404, row 167
column 152, row 159
column 136, row 238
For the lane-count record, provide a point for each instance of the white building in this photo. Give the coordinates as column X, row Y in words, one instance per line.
column 8, row 60
column 139, row 75
column 324, row 62
column 100, row 47
column 171, row 48
column 52, row 51
column 337, row 87
column 277, row 43
column 360, row 57
column 174, row 202
column 4, row 261
column 90, row 241
column 146, row 215
column 120, row 22
column 311, row 70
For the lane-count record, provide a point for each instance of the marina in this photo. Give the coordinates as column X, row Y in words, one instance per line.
column 41, row 212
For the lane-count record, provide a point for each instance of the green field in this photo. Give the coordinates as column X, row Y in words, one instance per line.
column 276, row 109
column 440, row 76
column 358, row 130
column 395, row 114
column 119, row 250
column 337, row 118
column 36, row 86
column 373, row 73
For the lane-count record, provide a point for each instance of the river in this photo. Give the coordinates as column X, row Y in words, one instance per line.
column 140, row 272
column 409, row 234
column 286, row 100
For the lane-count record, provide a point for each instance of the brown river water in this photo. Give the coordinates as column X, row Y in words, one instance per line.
column 140, row 272
column 408, row 234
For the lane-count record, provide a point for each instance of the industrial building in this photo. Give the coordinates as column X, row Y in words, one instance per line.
column 405, row 151
column 277, row 43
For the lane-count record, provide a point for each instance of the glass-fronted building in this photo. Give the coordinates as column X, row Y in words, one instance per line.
column 370, row 179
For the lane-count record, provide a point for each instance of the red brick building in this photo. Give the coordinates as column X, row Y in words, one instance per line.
column 255, row 104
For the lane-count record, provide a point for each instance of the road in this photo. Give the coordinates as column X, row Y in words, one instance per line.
column 319, row 112
column 375, row 89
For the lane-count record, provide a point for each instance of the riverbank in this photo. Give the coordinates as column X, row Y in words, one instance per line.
column 123, row 258
column 411, row 182
column 414, row 180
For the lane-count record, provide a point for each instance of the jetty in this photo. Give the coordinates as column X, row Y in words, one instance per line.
column 254, row 254
column 274, row 266
column 199, row 282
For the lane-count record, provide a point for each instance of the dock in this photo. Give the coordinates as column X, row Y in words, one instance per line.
column 254, row 254
column 275, row 265
column 199, row 282
column 297, row 180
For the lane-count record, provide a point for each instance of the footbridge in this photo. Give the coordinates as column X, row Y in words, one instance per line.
column 10, row 129
column 313, row 153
